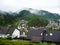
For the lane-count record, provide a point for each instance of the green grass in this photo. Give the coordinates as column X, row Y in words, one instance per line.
column 21, row 42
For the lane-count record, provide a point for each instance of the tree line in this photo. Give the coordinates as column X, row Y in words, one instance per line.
column 33, row 20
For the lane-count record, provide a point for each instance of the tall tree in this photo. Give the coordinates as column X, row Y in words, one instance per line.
column 37, row 21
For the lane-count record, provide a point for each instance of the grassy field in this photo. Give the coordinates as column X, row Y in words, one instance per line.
column 21, row 42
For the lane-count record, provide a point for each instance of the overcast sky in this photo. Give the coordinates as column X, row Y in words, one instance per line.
column 15, row 5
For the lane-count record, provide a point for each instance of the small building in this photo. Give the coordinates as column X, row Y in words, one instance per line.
column 10, row 31
column 52, row 23
column 22, row 27
column 6, row 31
column 14, row 32
column 44, row 35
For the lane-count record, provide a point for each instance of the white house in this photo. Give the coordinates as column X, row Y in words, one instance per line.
column 13, row 32
column 16, row 33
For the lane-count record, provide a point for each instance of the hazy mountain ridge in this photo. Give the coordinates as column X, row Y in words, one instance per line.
column 46, row 14
column 42, row 13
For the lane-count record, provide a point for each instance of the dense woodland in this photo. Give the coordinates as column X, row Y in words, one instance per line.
column 12, row 19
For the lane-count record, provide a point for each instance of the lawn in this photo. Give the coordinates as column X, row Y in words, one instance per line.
column 21, row 42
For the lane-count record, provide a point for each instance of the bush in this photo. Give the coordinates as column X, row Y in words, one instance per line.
column 9, row 38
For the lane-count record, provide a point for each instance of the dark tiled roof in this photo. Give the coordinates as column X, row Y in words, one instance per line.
column 34, row 32
column 10, row 31
column 6, row 30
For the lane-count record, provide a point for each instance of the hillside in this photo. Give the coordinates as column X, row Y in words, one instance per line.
column 45, row 14
column 10, row 18
column 41, row 13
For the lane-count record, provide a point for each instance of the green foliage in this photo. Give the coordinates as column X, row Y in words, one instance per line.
column 7, row 19
column 12, row 18
column 21, row 42
column 23, row 13
column 2, row 20
column 52, row 28
column 37, row 21
column 49, row 15
column 27, row 17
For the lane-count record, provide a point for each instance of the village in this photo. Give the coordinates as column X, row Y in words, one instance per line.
column 29, row 22
column 35, row 34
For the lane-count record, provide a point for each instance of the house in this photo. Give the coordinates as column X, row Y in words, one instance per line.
column 14, row 32
column 33, row 34
column 10, row 31
column 53, row 24
column 6, row 31
column 22, row 31
column 22, row 27
column 23, row 23
column 43, row 35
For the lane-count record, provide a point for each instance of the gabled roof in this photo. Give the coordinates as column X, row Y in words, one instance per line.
column 34, row 32
column 6, row 30
column 10, row 31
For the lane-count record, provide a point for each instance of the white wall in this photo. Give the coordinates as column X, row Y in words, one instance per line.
column 3, row 35
column 16, row 33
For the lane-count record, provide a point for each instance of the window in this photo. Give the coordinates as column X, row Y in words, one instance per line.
column 41, row 34
column 51, row 34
